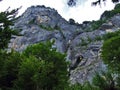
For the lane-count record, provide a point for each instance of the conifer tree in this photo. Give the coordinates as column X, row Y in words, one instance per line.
column 7, row 19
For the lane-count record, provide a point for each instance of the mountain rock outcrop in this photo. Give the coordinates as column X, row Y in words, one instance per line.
column 40, row 23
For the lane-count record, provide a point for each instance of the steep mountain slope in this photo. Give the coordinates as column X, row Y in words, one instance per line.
column 40, row 23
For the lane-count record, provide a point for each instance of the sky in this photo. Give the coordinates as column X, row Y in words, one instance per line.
column 83, row 11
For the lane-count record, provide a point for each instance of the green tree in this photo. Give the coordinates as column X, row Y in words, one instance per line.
column 8, row 61
column 111, row 53
column 71, row 21
column 9, row 64
column 52, row 71
column 7, row 19
column 28, row 71
column 104, row 81
column 111, row 35
column 111, row 56
column 32, row 70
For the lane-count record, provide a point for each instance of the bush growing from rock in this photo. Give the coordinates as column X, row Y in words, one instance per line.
column 71, row 21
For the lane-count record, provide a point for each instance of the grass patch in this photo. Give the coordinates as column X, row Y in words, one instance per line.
column 98, row 38
column 32, row 21
column 84, row 42
column 49, row 28
column 97, row 24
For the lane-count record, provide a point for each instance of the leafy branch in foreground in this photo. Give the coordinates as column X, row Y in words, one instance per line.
column 7, row 19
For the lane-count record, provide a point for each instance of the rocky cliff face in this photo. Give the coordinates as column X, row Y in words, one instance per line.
column 40, row 23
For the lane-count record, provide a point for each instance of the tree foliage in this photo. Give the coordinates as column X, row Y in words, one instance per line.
column 39, row 67
column 111, row 35
column 55, row 72
column 28, row 74
column 71, row 21
column 9, row 64
column 104, row 80
column 111, row 53
column 7, row 19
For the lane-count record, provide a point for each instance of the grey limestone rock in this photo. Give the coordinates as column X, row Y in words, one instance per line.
column 40, row 23
column 116, row 20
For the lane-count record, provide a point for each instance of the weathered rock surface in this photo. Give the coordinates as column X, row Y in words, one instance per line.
column 40, row 23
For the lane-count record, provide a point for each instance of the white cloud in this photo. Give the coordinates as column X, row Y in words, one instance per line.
column 79, row 13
